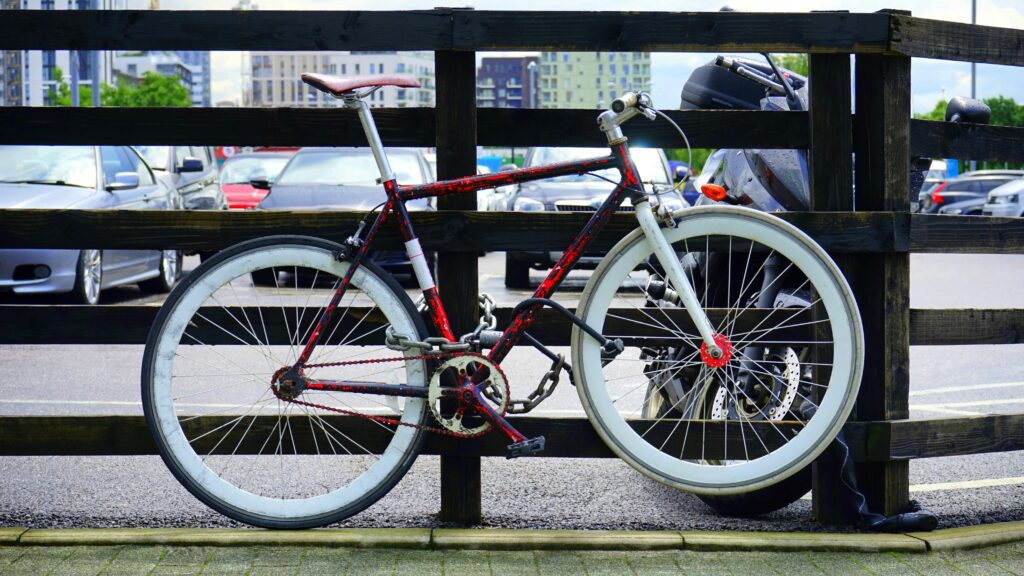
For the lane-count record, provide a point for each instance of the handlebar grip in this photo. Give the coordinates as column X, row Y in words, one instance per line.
column 627, row 100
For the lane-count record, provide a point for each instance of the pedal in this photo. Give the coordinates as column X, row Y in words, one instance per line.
column 527, row 447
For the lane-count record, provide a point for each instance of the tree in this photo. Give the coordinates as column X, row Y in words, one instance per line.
column 153, row 90
column 792, row 62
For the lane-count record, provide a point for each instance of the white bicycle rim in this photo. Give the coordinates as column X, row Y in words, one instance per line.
column 691, row 475
column 227, row 496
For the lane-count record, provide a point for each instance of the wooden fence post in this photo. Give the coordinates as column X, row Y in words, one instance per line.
column 882, row 285
column 831, row 178
column 457, row 271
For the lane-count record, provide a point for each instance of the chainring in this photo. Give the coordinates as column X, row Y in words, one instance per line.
column 463, row 367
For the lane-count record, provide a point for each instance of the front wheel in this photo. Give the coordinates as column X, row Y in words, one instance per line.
column 228, row 428
column 744, row 421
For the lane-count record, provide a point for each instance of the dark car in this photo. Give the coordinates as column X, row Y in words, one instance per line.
column 346, row 179
column 966, row 193
column 238, row 172
column 192, row 171
column 79, row 177
column 577, row 193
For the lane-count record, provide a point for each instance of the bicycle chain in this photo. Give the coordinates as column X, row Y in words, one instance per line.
column 382, row 419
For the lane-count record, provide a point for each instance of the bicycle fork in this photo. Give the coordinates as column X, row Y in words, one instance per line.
column 674, row 270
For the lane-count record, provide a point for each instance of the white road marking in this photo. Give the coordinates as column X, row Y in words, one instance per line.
column 971, row 388
column 968, row 403
column 948, row 411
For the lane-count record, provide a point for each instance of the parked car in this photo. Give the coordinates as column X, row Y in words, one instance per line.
column 965, row 194
column 191, row 171
column 346, row 179
column 78, row 177
column 238, row 172
column 575, row 193
column 1005, row 200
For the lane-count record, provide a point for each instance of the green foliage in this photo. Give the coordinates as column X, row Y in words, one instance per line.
column 154, row 90
column 793, row 62
column 700, row 156
column 937, row 113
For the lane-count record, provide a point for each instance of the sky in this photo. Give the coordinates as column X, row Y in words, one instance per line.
column 931, row 79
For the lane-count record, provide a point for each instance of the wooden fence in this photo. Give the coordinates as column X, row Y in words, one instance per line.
column 881, row 233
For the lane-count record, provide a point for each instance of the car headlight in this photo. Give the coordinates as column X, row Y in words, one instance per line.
column 1009, row 199
column 527, row 205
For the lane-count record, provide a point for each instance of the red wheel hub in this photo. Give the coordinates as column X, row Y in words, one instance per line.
column 724, row 345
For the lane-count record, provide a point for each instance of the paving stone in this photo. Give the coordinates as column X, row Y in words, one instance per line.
column 834, row 563
column 229, row 560
column 133, row 560
column 275, row 560
column 551, row 563
column 744, row 563
column 605, row 563
column 419, row 562
column 325, row 561
column 653, row 563
column 1009, row 557
column 513, row 563
column 373, row 562
column 466, row 563
column 41, row 560
column 885, row 564
column 87, row 560
column 931, row 564
column 790, row 563
column 801, row 541
column 700, row 563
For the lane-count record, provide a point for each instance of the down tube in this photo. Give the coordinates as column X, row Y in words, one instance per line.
column 569, row 258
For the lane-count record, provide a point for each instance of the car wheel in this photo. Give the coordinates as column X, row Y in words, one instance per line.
column 88, row 277
column 170, row 269
column 517, row 271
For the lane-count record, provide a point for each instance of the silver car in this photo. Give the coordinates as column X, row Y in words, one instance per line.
column 1005, row 200
column 79, row 177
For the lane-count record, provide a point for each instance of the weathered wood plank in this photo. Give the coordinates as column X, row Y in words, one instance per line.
column 976, row 141
column 38, row 324
column 443, row 230
column 956, row 436
column 925, row 38
column 441, row 29
column 938, row 233
column 566, row 437
column 397, row 127
column 967, row 326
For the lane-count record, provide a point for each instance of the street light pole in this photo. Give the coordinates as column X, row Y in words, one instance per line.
column 974, row 20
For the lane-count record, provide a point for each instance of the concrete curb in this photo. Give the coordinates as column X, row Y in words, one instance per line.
column 494, row 539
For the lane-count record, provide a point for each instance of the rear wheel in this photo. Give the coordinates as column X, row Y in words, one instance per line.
column 88, row 277
column 170, row 268
column 742, row 422
column 214, row 399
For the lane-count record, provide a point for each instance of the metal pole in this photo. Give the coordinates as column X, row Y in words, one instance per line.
column 73, row 65
column 974, row 20
column 94, row 58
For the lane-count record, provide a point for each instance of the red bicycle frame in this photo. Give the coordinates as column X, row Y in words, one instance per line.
column 628, row 186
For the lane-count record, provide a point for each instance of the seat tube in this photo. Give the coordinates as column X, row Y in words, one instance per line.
column 370, row 128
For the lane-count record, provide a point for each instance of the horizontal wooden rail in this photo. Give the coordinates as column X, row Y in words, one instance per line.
column 976, row 141
column 943, row 40
column 565, row 437
column 950, row 327
column 839, row 232
column 443, row 29
column 397, row 127
column 36, row 324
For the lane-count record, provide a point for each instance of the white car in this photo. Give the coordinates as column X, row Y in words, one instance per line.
column 1005, row 200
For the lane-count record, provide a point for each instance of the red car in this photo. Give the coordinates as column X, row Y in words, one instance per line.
column 239, row 170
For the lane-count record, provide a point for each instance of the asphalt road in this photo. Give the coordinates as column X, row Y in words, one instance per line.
column 536, row 493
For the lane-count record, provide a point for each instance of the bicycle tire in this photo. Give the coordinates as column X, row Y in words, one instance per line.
column 212, row 352
column 604, row 396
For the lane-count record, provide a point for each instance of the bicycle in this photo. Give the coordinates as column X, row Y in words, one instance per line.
column 288, row 381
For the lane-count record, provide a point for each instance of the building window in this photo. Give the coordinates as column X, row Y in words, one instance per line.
column 565, row 57
column 611, row 68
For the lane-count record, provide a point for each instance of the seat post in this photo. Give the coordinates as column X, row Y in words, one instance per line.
column 370, row 128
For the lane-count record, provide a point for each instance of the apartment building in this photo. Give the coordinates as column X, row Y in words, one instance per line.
column 590, row 79
column 276, row 77
column 507, row 82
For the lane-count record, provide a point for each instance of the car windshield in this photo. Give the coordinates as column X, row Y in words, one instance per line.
column 242, row 170
column 648, row 162
column 935, row 175
column 61, row 165
column 348, row 168
column 156, row 156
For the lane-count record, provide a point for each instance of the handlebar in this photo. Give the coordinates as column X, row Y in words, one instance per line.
column 749, row 73
column 627, row 100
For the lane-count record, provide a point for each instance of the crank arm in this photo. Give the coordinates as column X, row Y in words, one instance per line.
column 493, row 417
column 367, row 388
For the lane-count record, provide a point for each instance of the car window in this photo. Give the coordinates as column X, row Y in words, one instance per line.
column 242, row 170
column 113, row 161
column 986, row 185
column 648, row 162
column 138, row 166
column 64, row 165
column 180, row 153
column 961, row 186
column 352, row 168
column 156, row 156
